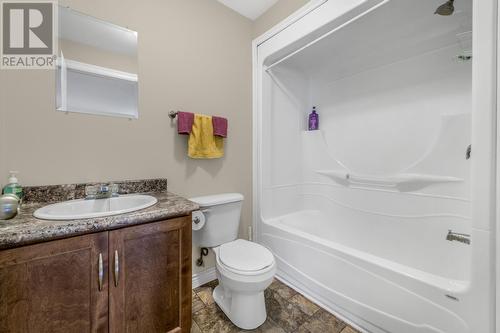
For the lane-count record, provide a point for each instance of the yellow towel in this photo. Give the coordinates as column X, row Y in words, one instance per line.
column 202, row 142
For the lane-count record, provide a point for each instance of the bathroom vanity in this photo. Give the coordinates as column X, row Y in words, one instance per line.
column 122, row 273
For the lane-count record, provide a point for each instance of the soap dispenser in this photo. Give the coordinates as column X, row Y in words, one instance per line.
column 13, row 186
column 313, row 120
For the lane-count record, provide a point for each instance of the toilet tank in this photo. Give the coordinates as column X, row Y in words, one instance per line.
column 222, row 219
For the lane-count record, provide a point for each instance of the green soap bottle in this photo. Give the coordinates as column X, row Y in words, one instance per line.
column 13, row 187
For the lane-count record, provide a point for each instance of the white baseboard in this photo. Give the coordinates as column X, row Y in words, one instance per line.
column 206, row 276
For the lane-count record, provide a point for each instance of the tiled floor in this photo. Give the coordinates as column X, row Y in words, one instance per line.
column 288, row 312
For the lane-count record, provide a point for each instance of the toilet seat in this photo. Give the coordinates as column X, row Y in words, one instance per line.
column 245, row 258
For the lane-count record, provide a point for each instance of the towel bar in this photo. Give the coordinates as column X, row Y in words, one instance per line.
column 173, row 114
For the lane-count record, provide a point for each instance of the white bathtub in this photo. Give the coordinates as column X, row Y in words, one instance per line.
column 357, row 213
column 376, row 294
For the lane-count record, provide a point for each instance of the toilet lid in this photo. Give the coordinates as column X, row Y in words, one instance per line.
column 243, row 255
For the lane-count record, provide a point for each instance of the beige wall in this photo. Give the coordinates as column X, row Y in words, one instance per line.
column 275, row 14
column 193, row 55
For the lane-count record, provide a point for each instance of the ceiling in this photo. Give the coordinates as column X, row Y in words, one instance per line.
column 249, row 8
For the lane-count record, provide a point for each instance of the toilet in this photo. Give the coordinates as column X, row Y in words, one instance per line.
column 244, row 269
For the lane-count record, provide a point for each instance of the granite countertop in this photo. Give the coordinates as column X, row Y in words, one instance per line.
column 26, row 229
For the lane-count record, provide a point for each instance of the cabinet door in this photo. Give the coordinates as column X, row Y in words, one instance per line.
column 54, row 286
column 150, row 277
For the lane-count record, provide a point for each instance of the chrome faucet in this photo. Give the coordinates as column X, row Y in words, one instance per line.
column 454, row 236
column 102, row 191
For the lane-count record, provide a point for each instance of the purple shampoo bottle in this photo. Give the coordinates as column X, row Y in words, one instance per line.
column 313, row 120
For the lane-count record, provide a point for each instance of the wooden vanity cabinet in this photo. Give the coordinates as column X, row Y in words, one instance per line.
column 152, row 291
column 135, row 279
column 53, row 287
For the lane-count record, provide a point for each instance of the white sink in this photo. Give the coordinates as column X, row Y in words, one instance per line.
column 84, row 209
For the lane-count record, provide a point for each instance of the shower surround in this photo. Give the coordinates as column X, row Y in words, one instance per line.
column 379, row 216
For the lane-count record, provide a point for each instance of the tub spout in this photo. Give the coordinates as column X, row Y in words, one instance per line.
column 454, row 236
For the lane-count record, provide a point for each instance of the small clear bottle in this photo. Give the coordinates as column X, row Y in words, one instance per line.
column 13, row 186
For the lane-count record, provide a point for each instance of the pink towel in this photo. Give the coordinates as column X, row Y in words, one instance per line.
column 185, row 122
column 220, row 126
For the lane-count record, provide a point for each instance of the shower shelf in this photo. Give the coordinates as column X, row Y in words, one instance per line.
column 387, row 181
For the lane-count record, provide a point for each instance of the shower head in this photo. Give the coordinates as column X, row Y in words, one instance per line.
column 446, row 9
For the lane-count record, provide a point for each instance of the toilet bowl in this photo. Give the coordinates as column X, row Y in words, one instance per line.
column 240, row 293
column 244, row 269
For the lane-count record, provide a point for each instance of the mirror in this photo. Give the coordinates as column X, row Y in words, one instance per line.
column 97, row 66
